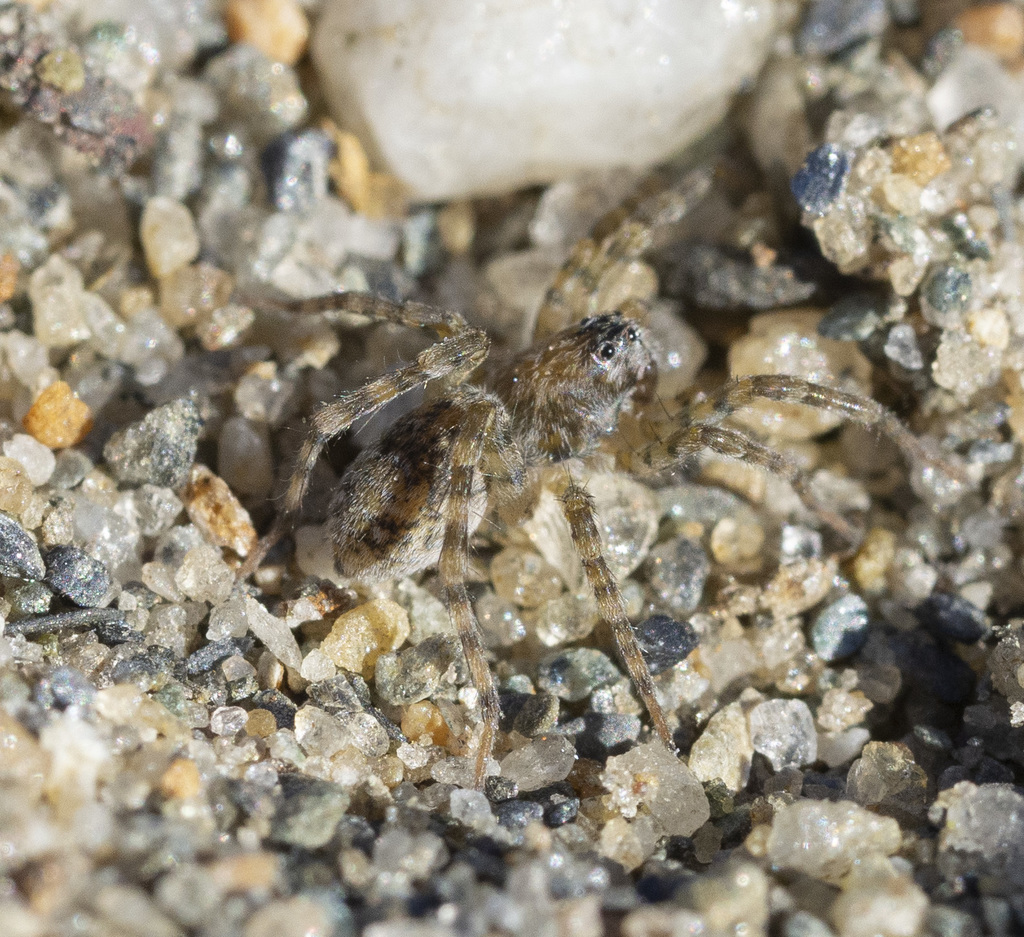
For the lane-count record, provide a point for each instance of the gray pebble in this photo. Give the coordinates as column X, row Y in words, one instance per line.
column 159, row 449
column 574, row 674
column 19, row 555
column 76, row 576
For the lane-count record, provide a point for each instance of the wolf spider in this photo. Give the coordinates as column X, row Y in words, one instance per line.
column 412, row 499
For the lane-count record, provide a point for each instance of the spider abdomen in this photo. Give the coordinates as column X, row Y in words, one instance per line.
column 387, row 518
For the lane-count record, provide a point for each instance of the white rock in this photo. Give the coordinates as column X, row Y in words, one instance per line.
column 37, row 460
column 463, row 97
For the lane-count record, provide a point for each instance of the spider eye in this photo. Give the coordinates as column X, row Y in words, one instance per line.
column 607, row 351
column 631, row 334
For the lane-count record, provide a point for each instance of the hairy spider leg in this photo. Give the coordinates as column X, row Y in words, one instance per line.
column 466, row 455
column 623, row 234
column 579, row 511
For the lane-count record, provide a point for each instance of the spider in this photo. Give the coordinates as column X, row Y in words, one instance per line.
column 411, row 500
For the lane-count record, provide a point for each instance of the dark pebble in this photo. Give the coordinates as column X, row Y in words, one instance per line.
column 110, row 624
column 559, row 803
column 76, row 576
column 717, row 278
column 213, row 653
column 599, row 735
column 537, row 715
column 151, row 662
column 307, row 812
column 821, row 179
column 159, row 449
column 665, row 641
column 295, row 167
column 276, row 703
column 500, row 789
column 19, row 555
column 832, row 25
column 952, row 617
column 853, row 318
column 517, row 814
column 720, row 798
column 932, row 668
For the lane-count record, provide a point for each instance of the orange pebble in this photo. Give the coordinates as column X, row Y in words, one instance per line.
column 9, row 268
column 998, row 27
column 425, row 719
column 278, row 28
column 181, row 779
column 58, row 419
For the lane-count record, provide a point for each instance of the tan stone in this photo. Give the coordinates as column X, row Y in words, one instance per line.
column 360, row 636
column 278, row 28
column 58, row 419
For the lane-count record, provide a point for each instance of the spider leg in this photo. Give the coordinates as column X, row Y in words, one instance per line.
column 466, row 455
column 783, row 388
column 620, row 235
column 453, row 358
column 444, row 322
column 578, row 507
column 690, row 439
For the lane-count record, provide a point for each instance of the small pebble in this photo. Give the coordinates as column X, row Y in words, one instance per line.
column 901, row 346
column 76, row 576
column 783, row 731
column 841, row 628
column 537, row 715
column 19, row 555
column 168, row 235
column 574, row 674
column 415, row 672
column 278, row 28
column 159, row 449
column 653, row 776
column 821, row 179
column 295, row 167
column 665, row 641
column 181, row 780
column 952, row 616
column 679, row 570
column 998, row 27
column 214, row 509
column 852, row 318
column 599, row 735
column 57, row 418
column 947, row 293
column 831, row 25
column 544, row 761
column 38, row 460
column 360, row 636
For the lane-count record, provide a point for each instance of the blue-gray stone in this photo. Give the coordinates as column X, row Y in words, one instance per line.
column 664, row 641
column 853, row 318
column 574, row 674
column 840, row 628
column 832, row 25
column 159, row 449
column 19, row 555
column 295, row 167
column 948, row 290
column 820, row 181
column 76, row 576
column 951, row 616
